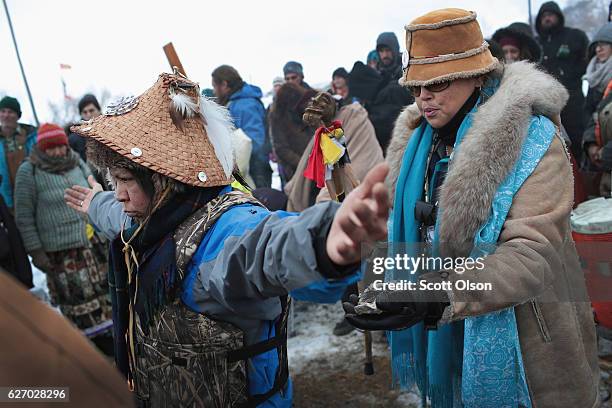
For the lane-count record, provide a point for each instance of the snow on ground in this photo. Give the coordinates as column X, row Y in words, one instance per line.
column 311, row 336
column 327, row 370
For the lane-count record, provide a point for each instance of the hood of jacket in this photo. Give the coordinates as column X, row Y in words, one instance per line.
column 488, row 151
column 549, row 6
column 388, row 39
column 247, row 91
column 393, row 71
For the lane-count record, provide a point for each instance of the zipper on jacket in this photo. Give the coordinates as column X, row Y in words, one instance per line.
column 541, row 322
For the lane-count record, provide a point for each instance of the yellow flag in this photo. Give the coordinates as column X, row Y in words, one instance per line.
column 331, row 151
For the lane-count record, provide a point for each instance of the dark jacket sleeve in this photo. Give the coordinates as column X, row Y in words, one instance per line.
column 575, row 67
column 386, row 108
column 13, row 256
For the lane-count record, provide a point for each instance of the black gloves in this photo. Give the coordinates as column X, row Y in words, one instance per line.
column 396, row 310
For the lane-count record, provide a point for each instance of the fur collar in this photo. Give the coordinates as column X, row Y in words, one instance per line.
column 488, row 151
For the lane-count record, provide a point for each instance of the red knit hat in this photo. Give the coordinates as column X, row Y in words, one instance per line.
column 50, row 136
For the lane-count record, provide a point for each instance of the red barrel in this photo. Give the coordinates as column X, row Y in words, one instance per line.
column 592, row 232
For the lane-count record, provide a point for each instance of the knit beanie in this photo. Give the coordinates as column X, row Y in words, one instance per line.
column 372, row 56
column 293, row 67
column 11, row 103
column 50, row 136
column 278, row 81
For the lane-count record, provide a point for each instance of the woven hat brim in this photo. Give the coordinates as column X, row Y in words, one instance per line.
column 147, row 136
column 470, row 67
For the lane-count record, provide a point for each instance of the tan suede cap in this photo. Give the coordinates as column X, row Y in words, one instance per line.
column 445, row 45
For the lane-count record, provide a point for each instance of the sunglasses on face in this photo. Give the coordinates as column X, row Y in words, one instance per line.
column 439, row 87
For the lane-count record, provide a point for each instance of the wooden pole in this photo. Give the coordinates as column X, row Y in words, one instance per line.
column 173, row 58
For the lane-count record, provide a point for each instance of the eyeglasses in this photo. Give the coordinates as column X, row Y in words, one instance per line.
column 439, row 87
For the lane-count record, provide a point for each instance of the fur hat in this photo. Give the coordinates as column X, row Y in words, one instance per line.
column 445, row 45
column 170, row 129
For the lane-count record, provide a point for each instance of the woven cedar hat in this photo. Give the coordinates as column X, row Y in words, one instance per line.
column 445, row 45
column 170, row 129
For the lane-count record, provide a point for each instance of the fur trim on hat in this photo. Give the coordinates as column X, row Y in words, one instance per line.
column 495, row 67
column 449, row 57
column 443, row 23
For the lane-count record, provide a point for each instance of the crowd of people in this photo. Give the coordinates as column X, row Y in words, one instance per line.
column 163, row 241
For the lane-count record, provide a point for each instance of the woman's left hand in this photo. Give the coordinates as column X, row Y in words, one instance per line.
column 362, row 219
column 79, row 197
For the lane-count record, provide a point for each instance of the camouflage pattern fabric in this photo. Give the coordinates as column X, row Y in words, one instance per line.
column 183, row 361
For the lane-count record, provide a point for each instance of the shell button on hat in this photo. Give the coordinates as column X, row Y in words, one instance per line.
column 170, row 129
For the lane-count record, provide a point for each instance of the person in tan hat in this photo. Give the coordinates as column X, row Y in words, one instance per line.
column 482, row 181
column 200, row 274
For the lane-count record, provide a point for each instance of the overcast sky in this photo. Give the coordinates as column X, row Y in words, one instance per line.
column 117, row 44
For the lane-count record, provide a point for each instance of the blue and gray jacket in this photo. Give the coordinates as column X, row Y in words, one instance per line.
column 246, row 262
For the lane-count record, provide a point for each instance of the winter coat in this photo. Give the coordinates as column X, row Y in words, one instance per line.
column 244, row 263
column 43, row 218
column 564, row 51
column 535, row 265
column 364, row 152
column 41, row 349
column 603, row 119
column 248, row 114
column 13, row 256
column 380, row 92
column 290, row 137
column 594, row 103
column 28, row 133
column 79, row 144
column 597, row 88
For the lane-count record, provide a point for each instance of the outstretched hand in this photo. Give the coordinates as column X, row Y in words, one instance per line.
column 79, row 197
column 361, row 220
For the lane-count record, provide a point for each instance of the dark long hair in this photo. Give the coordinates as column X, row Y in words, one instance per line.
column 231, row 76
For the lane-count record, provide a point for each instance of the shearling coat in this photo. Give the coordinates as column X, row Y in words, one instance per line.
column 535, row 267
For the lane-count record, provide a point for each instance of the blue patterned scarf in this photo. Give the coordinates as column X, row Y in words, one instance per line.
column 476, row 362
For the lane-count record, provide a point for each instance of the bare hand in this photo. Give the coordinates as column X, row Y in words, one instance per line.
column 362, row 218
column 79, row 197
